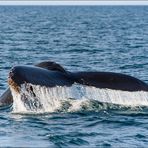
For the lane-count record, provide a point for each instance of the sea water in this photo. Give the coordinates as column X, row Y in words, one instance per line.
column 84, row 38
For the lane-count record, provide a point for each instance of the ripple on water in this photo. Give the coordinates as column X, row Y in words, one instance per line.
column 79, row 38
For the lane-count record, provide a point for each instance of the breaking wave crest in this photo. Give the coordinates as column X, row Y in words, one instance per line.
column 39, row 99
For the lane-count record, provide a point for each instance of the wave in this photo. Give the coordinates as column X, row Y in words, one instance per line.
column 41, row 99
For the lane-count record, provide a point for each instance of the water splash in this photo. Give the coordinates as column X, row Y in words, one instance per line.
column 34, row 98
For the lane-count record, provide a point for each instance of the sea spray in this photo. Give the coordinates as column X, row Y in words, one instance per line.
column 41, row 99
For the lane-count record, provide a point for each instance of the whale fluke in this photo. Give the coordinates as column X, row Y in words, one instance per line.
column 110, row 80
column 51, row 74
column 7, row 99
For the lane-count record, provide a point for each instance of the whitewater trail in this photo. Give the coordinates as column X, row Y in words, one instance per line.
column 42, row 99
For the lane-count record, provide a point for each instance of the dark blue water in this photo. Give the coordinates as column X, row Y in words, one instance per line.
column 80, row 38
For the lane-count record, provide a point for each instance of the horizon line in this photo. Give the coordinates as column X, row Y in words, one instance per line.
column 72, row 2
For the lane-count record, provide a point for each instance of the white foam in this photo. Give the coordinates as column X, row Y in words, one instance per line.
column 51, row 99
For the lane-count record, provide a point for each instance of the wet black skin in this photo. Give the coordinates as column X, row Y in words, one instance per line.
column 49, row 78
column 110, row 80
column 39, row 76
column 7, row 99
column 51, row 74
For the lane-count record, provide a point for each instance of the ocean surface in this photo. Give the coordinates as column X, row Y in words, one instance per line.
column 80, row 38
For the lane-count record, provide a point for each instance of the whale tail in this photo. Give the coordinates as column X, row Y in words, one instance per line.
column 110, row 80
column 7, row 99
column 58, row 76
